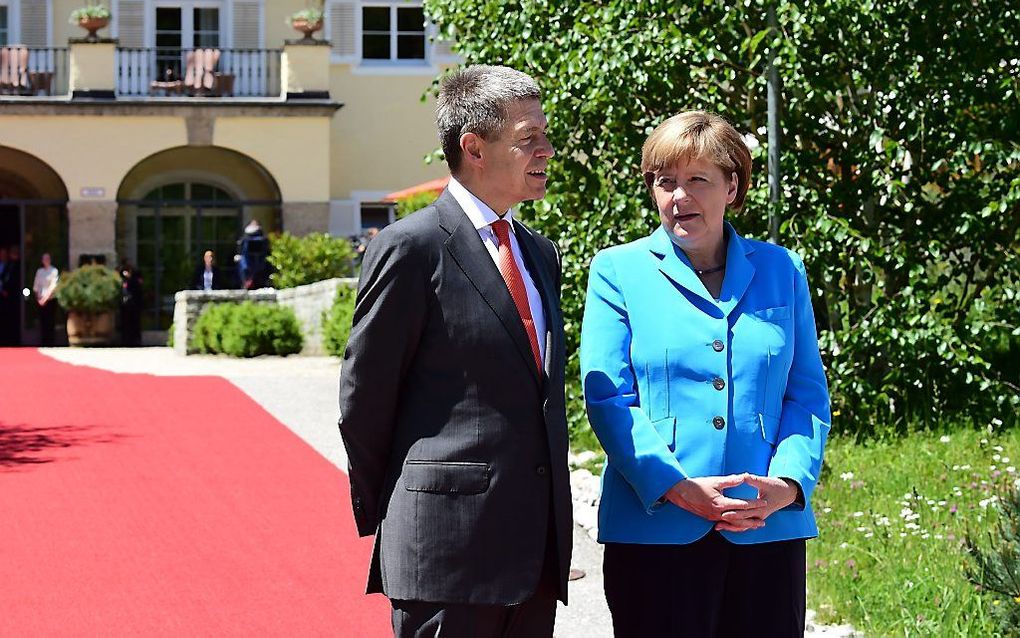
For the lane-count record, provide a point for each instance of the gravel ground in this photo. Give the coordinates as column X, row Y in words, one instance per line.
column 301, row 392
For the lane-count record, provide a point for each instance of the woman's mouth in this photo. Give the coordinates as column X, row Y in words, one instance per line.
column 684, row 217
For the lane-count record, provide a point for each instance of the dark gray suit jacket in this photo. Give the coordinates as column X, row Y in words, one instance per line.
column 457, row 448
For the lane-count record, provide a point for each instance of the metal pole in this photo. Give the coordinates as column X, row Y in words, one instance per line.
column 773, row 131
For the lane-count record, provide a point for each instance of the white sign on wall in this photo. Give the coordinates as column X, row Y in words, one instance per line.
column 93, row 191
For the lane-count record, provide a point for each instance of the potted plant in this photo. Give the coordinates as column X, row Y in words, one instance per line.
column 307, row 21
column 89, row 294
column 92, row 17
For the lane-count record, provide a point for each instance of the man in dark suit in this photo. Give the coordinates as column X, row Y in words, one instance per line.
column 451, row 392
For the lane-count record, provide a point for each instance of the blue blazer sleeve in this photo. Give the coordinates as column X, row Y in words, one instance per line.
column 610, row 390
column 805, row 420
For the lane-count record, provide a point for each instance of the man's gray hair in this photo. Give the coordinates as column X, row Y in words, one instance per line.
column 475, row 100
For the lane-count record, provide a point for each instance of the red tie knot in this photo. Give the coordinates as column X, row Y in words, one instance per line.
column 502, row 229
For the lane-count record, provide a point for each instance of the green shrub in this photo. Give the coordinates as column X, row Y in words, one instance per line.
column 89, row 289
column 408, row 205
column 995, row 567
column 90, row 10
column 247, row 330
column 313, row 257
column 336, row 322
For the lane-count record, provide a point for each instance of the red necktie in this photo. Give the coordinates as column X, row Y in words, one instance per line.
column 515, row 284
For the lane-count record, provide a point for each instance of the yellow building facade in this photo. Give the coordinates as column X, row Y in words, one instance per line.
column 182, row 120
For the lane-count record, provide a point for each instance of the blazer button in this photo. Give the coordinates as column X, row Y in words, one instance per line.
column 719, row 422
column 540, row 470
column 718, row 383
column 718, row 346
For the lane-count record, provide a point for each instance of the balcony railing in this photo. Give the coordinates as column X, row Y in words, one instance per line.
column 198, row 72
column 33, row 70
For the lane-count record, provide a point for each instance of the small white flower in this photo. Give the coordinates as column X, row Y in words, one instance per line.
column 883, row 522
column 944, row 438
column 996, row 457
column 863, row 529
column 964, row 467
column 752, row 142
column 997, row 448
column 869, row 535
column 925, row 535
column 1011, row 469
column 996, row 422
column 844, row 545
column 827, row 510
column 903, row 534
column 846, row 476
column 1005, row 459
column 858, row 514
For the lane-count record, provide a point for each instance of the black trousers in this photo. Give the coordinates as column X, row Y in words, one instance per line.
column 708, row 589
column 47, row 321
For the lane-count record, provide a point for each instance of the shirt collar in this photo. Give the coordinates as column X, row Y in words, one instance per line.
column 477, row 211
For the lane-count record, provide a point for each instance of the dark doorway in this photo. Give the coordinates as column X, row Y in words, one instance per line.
column 12, row 276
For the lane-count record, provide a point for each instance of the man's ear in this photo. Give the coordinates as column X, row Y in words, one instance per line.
column 471, row 146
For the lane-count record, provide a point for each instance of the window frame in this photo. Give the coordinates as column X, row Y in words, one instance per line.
column 394, row 35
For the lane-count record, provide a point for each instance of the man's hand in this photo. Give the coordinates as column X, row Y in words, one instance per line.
column 774, row 493
column 703, row 496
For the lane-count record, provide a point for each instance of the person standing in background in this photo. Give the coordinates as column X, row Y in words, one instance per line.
column 45, row 284
column 207, row 275
column 130, row 304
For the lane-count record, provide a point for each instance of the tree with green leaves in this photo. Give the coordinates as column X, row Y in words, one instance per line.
column 900, row 165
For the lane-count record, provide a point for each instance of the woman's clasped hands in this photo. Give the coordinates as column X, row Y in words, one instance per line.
column 704, row 497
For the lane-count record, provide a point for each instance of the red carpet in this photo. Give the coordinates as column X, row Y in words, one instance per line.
column 156, row 506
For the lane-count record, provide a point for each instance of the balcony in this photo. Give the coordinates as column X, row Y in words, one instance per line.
column 97, row 73
column 33, row 71
column 198, row 73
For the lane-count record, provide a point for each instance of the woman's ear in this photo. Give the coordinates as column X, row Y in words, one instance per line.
column 731, row 192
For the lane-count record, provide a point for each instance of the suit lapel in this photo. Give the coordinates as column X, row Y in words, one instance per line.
column 673, row 263
column 467, row 250
column 541, row 276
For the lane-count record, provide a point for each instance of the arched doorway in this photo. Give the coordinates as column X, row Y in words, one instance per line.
column 175, row 205
column 33, row 221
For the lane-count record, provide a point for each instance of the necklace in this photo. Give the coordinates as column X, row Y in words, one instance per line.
column 709, row 271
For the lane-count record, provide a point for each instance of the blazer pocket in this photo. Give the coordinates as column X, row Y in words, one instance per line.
column 769, row 428
column 446, row 477
column 775, row 315
column 666, row 428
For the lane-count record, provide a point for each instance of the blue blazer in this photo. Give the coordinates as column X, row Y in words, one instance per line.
column 678, row 384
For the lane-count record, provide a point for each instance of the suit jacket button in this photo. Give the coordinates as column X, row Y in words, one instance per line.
column 540, row 470
column 718, row 383
column 718, row 346
column 719, row 422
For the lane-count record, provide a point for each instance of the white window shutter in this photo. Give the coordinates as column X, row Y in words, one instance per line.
column 343, row 34
column 35, row 22
column 130, row 19
column 247, row 24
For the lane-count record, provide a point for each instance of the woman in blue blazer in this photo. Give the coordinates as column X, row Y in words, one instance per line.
column 704, row 384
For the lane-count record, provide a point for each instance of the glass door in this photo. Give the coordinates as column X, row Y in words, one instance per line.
column 180, row 27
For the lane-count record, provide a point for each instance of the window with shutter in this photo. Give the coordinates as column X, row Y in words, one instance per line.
column 35, row 23
column 130, row 23
column 342, row 25
column 247, row 24
column 4, row 26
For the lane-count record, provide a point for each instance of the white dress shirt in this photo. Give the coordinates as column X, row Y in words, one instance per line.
column 482, row 217
column 45, row 281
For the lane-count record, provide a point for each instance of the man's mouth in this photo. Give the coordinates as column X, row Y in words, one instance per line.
column 538, row 174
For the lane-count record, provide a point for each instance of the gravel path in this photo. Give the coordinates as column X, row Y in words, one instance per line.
column 301, row 392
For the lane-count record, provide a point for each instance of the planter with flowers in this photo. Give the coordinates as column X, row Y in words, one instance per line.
column 92, row 17
column 307, row 21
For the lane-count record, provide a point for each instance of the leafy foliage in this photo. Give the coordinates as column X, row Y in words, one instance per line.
column 409, row 204
column 996, row 567
column 336, row 322
column 89, row 289
column 91, row 9
column 247, row 330
column 304, row 260
column 900, row 168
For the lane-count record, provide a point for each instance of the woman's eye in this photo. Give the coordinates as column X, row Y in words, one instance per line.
column 666, row 182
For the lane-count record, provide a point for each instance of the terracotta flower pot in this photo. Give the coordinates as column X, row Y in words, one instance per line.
column 85, row 329
column 306, row 27
column 92, row 25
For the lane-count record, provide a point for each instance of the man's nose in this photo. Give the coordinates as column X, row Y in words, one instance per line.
column 547, row 150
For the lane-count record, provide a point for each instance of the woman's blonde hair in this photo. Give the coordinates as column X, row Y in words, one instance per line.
column 696, row 135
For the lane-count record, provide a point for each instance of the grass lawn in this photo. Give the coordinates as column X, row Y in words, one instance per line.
column 892, row 515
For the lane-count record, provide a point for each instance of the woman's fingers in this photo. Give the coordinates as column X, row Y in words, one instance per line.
column 739, row 526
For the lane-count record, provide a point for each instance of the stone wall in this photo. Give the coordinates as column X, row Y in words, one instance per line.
column 308, row 303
